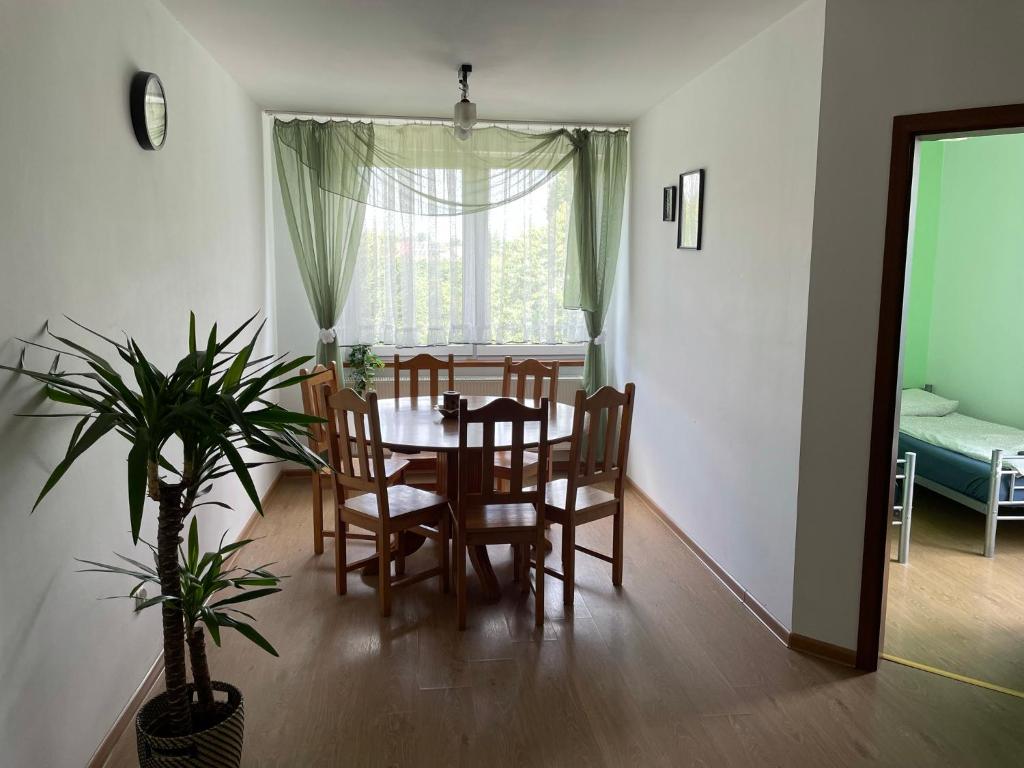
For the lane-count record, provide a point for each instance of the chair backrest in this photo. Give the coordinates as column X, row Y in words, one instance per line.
column 512, row 418
column 423, row 362
column 601, row 425
column 515, row 379
column 354, row 447
column 314, row 403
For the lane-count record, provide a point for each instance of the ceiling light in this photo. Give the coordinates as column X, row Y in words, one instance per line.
column 465, row 110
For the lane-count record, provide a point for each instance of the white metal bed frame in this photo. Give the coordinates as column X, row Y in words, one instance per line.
column 1001, row 466
column 902, row 512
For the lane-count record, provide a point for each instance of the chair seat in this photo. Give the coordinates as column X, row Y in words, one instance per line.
column 403, row 501
column 587, row 497
column 392, row 468
column 500, row 517
column 414, row 456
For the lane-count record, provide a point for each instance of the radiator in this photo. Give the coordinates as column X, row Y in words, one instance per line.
column 477, row 385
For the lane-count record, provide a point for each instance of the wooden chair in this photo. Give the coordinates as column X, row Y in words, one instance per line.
column 385, row 510
column 514, row 516
column 423, row 462
column 314, row 404
column 515, row 382
column 601, row 422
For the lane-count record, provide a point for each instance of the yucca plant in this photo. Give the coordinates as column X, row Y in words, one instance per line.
column 213, row 404
column 202, row 578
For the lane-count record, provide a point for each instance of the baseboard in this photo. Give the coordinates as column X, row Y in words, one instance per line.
column 802, row 643
column 762, row 614
column 127, row 715
column 809, row 645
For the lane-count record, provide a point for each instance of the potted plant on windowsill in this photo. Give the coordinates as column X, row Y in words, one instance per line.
column 211, row 406
column 363, row 364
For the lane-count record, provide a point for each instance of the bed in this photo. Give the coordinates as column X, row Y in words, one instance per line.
column 976, row 463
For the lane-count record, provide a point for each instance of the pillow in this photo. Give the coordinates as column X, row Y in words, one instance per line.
column 917, row 402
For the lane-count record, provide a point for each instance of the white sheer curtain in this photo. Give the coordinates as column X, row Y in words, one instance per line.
column 493, row 277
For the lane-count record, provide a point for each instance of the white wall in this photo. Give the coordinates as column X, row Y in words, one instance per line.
column 880, row 59
column 715, row 337
column 93, row 226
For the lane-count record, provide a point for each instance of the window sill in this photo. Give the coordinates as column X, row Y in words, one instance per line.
column 466, row 355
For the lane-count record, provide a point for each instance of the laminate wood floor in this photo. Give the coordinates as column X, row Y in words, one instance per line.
column 951, row 608
column 668, row 671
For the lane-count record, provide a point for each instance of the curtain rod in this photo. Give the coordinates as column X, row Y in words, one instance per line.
column 442, row 120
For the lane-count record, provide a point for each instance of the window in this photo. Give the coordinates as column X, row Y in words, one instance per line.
column 493, row 277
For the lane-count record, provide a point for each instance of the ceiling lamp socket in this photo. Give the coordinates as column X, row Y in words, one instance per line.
column 465, row 110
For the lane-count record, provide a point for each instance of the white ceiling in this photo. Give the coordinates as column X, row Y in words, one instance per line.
column 559, row 60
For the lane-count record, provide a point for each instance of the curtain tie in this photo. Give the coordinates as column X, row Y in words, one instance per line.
column 328, row 336
column 598, row 340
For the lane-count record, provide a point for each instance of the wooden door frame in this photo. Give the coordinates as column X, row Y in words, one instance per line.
column 906, row 129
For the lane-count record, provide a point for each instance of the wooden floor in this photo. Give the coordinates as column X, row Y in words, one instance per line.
column 951, row 608
column 669, row 671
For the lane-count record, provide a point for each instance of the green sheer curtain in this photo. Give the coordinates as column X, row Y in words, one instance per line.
column 599, row 186
column 493, row 167
column 330, row 171
column 325, row 227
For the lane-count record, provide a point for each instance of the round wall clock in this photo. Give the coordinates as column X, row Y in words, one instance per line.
column 149, row 110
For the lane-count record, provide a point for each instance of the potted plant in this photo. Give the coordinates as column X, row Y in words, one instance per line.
column 206, row 410
column 202, row 578
column 363, row 364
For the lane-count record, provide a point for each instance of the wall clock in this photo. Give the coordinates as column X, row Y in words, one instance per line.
column 149, row 110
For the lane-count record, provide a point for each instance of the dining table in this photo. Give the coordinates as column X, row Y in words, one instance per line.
column 415, row 425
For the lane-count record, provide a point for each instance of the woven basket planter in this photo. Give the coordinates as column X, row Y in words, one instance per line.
column 219, row 746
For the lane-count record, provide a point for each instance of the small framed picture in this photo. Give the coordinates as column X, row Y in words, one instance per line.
column 668, row 204
column 691, row 209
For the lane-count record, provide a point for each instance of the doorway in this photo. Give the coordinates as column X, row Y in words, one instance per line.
column 910, row 132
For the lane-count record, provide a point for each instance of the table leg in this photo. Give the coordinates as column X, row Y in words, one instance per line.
column 410, row 543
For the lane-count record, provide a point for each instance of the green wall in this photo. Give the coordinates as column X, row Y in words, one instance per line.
column 963, row 331
column 923, row 249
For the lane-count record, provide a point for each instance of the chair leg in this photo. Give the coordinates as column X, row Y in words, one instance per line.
column 384, row 572
column 460, row 579
column 444, row 530
column 538, row 592
column 318, row 514
column 400, row 554
column 340, row 553
column 617, row 555
column 568, row 563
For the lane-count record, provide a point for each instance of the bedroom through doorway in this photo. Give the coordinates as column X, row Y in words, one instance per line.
column 955, row 592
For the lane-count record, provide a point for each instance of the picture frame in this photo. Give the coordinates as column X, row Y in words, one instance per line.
column 690, row 230
column 668, row 204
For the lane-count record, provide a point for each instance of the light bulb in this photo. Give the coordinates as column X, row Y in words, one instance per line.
column 465, row 114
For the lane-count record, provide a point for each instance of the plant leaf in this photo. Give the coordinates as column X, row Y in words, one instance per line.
column 193, row 544
column 103, row 424
column 246, row 631
column 137, row 481
column 243, row 597
column 242, row 471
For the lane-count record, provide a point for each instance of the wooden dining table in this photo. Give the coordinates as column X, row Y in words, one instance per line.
column 412, row 425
